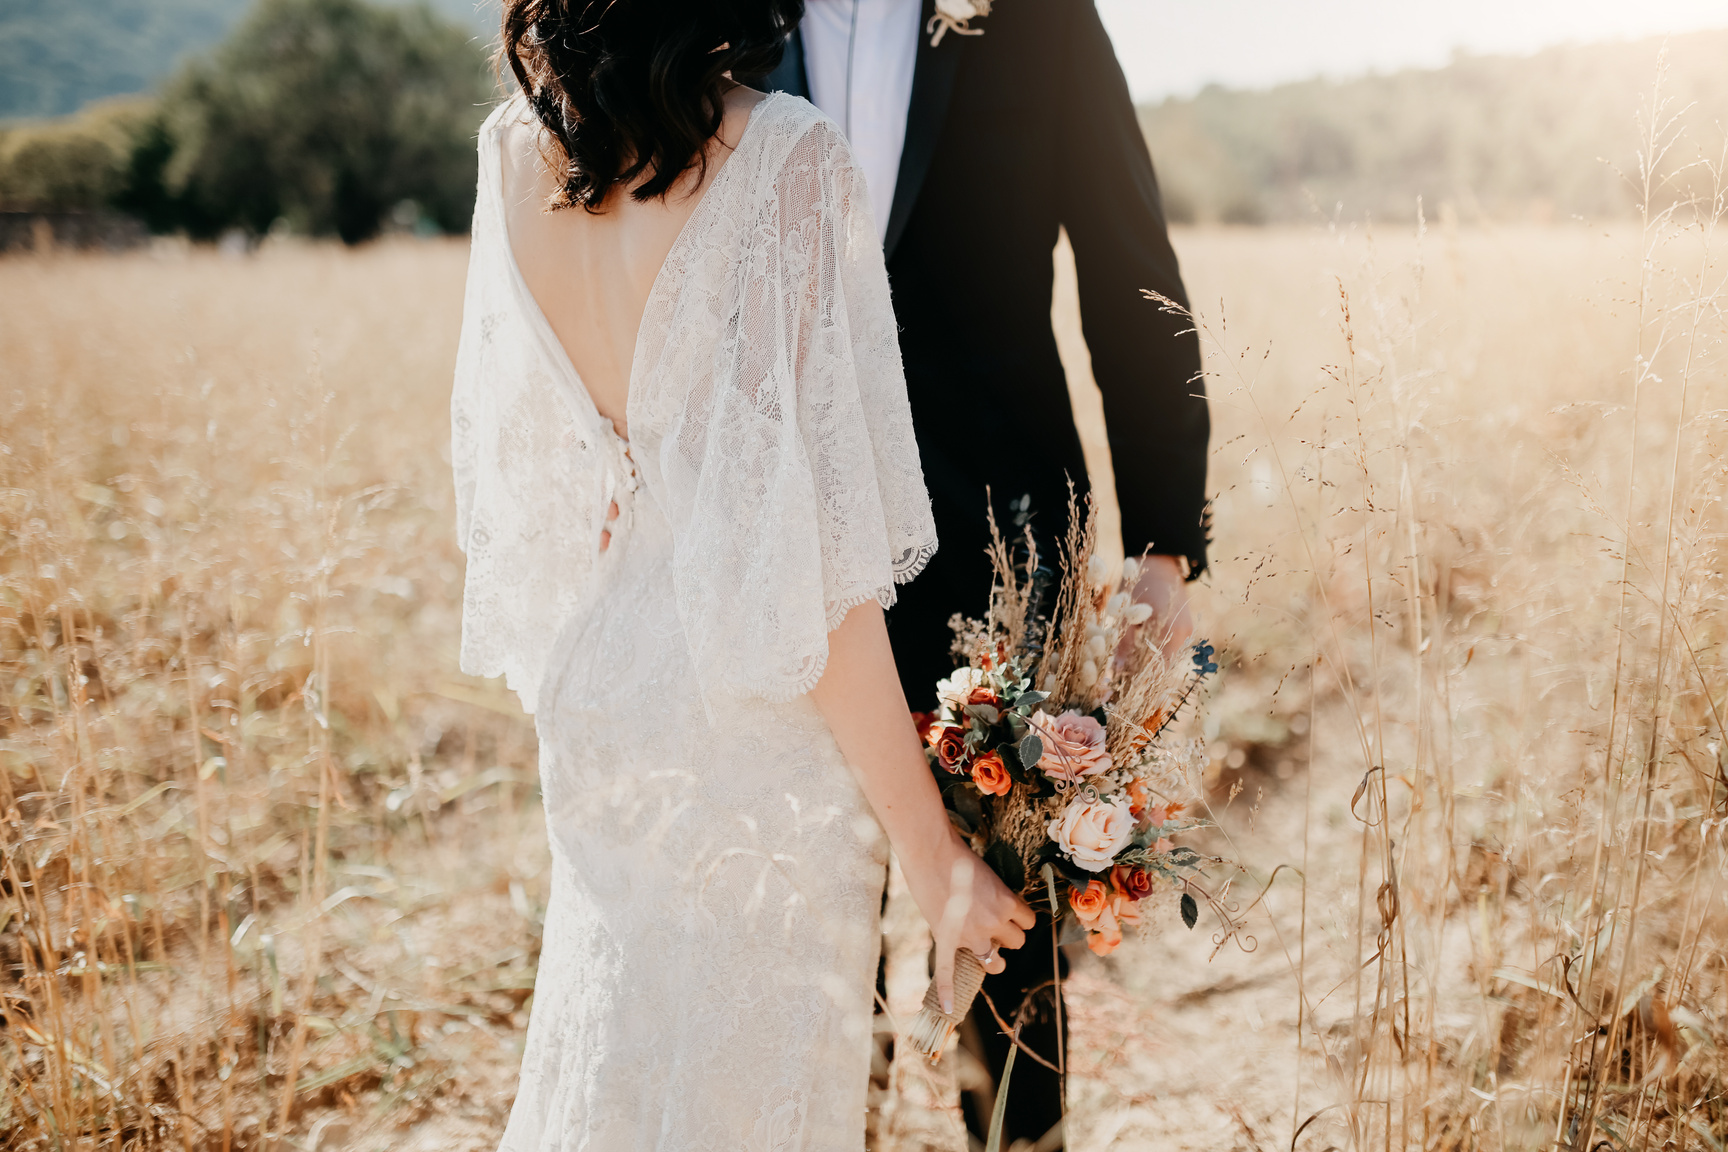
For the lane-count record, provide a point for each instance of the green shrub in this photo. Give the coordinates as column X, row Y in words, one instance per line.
column 327, row 114
column 72, row 165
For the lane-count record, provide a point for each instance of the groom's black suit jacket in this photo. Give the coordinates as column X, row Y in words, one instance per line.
column 1012, row 135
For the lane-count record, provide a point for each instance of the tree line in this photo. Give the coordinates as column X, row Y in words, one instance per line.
column 326, row 116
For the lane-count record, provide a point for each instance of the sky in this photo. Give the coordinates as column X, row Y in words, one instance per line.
column 1176, row 47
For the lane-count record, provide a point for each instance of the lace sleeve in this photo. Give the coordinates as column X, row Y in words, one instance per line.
column 793, row 475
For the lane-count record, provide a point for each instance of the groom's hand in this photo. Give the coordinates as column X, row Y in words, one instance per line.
column 1161, row 587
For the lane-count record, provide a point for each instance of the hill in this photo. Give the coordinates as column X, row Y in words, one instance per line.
column 1487, row 137
column 56, row 56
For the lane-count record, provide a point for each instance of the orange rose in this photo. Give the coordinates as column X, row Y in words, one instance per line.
column 982, row 695
column 924, row 722
column 1095, row 907
column 1137, row 798
column 1091, row 903
column 950, row 745
column 991, row 775
column 1104, row 943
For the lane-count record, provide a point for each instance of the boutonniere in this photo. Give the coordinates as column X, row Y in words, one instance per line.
column 953, row 16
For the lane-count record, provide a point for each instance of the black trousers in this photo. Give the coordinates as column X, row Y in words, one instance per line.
column 1035, row 1093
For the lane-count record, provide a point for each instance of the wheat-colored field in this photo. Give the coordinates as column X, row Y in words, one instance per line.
column 273, row 868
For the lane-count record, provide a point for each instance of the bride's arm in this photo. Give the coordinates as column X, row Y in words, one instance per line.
column 860, row 697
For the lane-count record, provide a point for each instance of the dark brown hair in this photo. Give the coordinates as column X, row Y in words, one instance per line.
column 633, row 88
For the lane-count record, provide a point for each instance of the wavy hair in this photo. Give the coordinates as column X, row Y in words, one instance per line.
column 628, row 89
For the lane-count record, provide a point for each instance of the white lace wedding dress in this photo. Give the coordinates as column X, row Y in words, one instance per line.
column 706, row 972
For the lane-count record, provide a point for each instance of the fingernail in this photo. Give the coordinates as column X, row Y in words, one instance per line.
column 947, row 1005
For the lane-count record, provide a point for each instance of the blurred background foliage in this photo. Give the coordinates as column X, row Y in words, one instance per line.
column 56, row 56
column 343, row 117
column 1491, row 138
column 326, row 117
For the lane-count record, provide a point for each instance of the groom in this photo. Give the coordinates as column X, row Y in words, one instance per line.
column 976, row 149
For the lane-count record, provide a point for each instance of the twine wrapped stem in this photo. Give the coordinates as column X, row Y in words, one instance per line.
column 932, row 1026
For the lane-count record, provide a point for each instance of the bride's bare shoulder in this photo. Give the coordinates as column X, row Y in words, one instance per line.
column 520, row 144
column 740, row 102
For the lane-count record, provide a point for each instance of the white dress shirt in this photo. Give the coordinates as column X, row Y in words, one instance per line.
column 859, row 57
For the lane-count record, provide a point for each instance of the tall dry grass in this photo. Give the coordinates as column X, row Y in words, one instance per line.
column 272, row 869
column 232, row 726
column 1469, row 579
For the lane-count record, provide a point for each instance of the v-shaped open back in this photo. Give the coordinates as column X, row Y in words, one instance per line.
column 536, row 315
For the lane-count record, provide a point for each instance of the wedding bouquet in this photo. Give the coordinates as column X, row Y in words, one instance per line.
column 1047, row 747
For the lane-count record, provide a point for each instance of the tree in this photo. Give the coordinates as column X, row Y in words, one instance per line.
column 326, row 114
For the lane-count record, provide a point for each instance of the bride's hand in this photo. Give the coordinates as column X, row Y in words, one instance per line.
column 966, row 907
column 859, row 696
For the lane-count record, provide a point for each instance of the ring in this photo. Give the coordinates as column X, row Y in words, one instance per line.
column 987, row 957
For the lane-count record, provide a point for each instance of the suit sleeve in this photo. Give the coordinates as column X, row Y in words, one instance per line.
column 1146, row 361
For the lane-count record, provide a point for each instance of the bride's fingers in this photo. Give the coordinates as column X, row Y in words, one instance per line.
column 1010, row 936
column 1023, row 916
column 945, row 977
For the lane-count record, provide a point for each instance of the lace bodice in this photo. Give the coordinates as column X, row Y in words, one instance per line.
column 768, row 415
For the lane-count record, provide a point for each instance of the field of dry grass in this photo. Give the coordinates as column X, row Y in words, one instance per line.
column 273, row 869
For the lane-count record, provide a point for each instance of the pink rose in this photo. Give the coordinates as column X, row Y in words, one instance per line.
column 1073, row 745
column 1092, row 832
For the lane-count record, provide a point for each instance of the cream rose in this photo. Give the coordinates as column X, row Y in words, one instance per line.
column 1092, row 832
column 1073, row 745
column 952, row 692
column 957, row 9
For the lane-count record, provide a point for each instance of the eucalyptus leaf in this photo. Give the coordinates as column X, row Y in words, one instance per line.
column 985, row 712
column 1031, row 750
column 1190, row 911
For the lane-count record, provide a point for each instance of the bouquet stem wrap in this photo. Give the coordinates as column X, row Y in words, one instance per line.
column 932, row 1026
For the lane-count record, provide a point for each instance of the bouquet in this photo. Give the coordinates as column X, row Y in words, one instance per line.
column 1047, row 748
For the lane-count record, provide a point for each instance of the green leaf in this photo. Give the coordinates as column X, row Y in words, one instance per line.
column 1011, row 760
column 1031, row 750
column 1031, row 699
column 1050, row 890
column 1190, row 911
column 1006, row 863
column 984, row 712
column 994, row 1142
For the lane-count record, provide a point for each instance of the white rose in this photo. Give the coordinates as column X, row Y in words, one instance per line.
column 956, row 9
column 952, row 692
column 1092, row 832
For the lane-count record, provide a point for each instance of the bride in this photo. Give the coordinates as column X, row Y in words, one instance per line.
column 687, row 488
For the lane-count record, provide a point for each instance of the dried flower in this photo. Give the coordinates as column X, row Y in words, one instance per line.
column 1137, row 797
